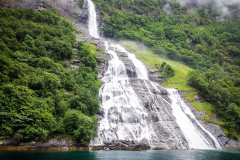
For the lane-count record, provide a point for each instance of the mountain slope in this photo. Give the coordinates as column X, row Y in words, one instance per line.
column 42, row 97
column 198, row 39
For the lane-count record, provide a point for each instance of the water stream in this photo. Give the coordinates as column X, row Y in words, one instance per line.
column 125, row 115
column 92, row 20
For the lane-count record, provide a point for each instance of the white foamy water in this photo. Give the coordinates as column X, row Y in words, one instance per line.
column 92, row 21
column 140, row 68
column 181, row 112
column 124, row 116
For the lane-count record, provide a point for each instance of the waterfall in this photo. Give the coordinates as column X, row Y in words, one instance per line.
column 92, row 20
column 184, row 118
column 132, row 108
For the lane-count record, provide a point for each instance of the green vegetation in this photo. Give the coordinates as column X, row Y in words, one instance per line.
column 225, row 95
column 198, row 39
column 38, row 97
column 165, row 69
column 179, row 80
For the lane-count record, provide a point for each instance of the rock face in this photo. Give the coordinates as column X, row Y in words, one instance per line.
column 155, row 76
column 52, row 144
column 156, row 103
column 130, row 68
column 83, row 21
column 125, row 125
column 216, row 130
column 67, row 8
column 122, row 145
column 169, row 135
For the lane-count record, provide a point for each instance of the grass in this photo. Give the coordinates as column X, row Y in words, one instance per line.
column 94, row 49
column 205, row 106
column 192, row 96
column 179, row 80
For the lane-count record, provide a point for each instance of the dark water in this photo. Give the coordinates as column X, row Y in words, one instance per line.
column 223, row 154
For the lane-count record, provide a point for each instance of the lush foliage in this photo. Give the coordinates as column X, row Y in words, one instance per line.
column 199, row 39
column 223, row 93
column 166, row 69
column 38, row 97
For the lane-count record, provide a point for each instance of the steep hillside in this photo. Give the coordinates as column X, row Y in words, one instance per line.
column 37, row 62
column 47, row 88
column 197, row 38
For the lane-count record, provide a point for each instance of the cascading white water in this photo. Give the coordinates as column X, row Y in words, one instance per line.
column 92, row 20
column 124, row 115
column 194, row 137
column 118, row 96
column 140, row 68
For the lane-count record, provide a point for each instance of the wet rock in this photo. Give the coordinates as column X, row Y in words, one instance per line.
column 117, row 144
column 126, row 142
column 122, row 54
column 84, row 16
column 99, row 117
column 130, row 68
column 52, row 144
column 158, row 148
column 155, row 76
column 151, row 71
column 163, row 91
column 154, row 116
column 108, row 143
column 101, row 112
column 214, row 129
column 97, row 148
column 214, row 118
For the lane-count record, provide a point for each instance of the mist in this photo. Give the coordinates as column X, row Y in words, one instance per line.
column 227, row 7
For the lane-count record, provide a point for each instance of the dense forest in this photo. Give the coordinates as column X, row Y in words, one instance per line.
column 42, row 97
column 201, row 39
column 39, row 98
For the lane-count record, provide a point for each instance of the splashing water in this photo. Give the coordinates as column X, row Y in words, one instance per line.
column 184, row 118
column 126, row 117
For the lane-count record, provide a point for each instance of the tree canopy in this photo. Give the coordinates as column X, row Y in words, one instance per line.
column 39, row 98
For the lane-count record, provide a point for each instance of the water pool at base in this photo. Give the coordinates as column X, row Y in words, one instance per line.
column 223, row 154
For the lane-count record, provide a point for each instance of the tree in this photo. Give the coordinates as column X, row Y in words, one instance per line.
column 82, row 127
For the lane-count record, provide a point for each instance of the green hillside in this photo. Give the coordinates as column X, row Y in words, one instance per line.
column 197, row 39
column 39, row 98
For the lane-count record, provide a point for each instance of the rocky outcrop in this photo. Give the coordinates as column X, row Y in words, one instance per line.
column 155, row 76
column 156, row 114
column 83, row 19
column 53, row 144
column 216, row 130
column 122, row 145
column 130, row 68
column 67, row 8
column 156, row 103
